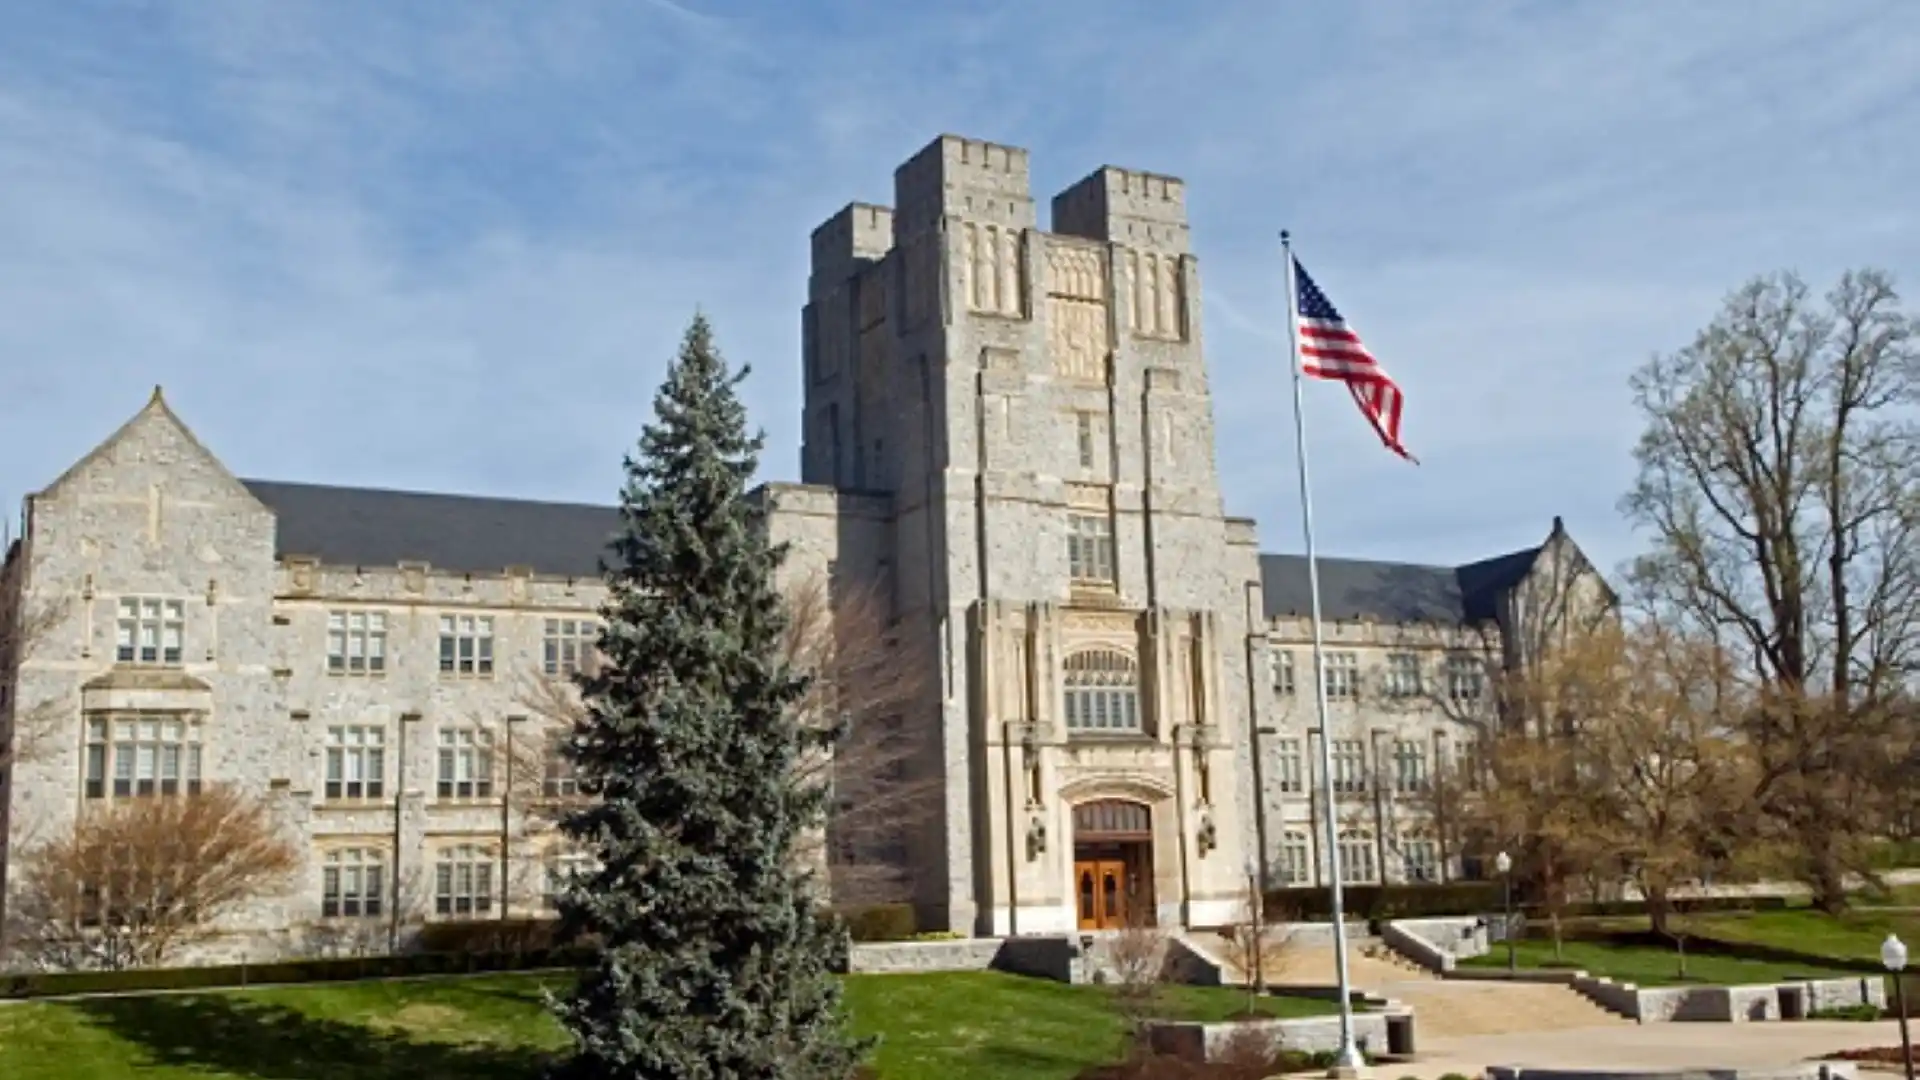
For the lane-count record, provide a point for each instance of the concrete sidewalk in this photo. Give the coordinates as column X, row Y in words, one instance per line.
column 1646, row 1046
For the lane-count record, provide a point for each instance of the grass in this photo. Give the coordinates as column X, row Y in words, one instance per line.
column 1725, row 947
column 1646, row 965
column 964, row 1026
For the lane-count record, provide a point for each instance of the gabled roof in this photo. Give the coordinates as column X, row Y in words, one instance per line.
column 345, row 526
column 1392, row 592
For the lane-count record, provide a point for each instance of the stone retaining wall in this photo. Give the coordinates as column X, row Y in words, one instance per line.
column 1211, row 1042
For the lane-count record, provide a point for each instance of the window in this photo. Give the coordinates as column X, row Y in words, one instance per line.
column 1083, row 424
column 562, row 869
column 557, row 780
column 1403, row 675
column 466, row 645
column 463, row 881
column 466, row 763
column 352, row 883
column 142, row 756
column 150, row 630
column 356, row 642
column 1409, row 766
column 1103, row 692
column 1469, row 762
column 356, row 762
column 1466, row 679
column 1290, row 773
column 570, row 645
column 1295, row 855
column 1349, row 766
column 1090, row 548
column 1281, row 660
column 1356, row 859
column 1343, row 676
column 1421, row 860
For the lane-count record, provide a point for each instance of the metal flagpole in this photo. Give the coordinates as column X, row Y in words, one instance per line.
column 1349, row 1058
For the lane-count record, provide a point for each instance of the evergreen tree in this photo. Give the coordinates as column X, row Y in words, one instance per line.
column 717, row 961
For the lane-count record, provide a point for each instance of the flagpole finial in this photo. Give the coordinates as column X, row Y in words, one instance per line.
column 1285, row 236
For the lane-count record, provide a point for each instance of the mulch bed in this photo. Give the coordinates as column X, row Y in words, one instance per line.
column 1875, row 1055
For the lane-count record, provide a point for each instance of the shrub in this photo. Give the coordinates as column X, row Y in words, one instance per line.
column 489, row 936
column 340, row 969
column 882, row 922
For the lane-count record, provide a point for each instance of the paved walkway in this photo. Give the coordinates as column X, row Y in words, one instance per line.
column 1447, row 1008
column 1644, row 1046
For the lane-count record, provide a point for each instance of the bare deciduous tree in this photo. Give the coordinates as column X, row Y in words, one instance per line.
column 27, row 725
column 1777, row 476
column 137, row 880
column 859, row 687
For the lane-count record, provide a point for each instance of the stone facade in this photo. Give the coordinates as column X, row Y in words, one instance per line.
column 1008, row 434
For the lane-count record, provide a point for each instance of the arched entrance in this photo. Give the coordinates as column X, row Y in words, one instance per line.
column 1113, row 864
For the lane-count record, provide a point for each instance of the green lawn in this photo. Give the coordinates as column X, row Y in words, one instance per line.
column 967, row 1026
column 1805, row 941
column 1646, row 965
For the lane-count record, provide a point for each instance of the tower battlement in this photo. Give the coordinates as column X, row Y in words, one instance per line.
column 1140, row 209
column 981, row 180
column 858, row 236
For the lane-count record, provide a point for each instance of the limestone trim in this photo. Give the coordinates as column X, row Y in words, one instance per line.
column 1132, row 788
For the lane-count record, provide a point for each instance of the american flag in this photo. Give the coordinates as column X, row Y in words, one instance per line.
column 1330, row 349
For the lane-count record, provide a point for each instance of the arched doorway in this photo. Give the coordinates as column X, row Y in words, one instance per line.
column 1113, row 864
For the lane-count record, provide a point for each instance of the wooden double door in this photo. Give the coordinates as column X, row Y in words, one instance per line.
column 1113, row 885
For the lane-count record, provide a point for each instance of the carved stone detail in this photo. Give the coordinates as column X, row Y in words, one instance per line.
column 992, row 268
column 1076, row 272
column 1079, row 341
column 1156, row 287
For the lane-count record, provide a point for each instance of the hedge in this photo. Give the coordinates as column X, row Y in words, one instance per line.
column 332, row 969
column 882, row 922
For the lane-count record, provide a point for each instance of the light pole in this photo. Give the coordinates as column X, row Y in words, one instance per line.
column 1256, row 901
column 1503, row 864
column 1893, row 953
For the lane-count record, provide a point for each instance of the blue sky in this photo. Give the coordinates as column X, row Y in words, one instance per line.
column 451, row 246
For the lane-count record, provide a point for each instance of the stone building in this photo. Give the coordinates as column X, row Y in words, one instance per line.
column 1007, row 434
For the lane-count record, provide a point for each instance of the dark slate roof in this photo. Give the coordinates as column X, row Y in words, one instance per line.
column 343, row 526
column 1392, row 592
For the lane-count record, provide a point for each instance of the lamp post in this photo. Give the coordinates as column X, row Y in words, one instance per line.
column 1503, row 864
column 1893, row 953
column 1255, row 902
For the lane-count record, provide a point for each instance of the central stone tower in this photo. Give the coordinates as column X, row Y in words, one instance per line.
column 1031, row 410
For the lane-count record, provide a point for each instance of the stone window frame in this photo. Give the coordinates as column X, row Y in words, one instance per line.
column 1349, row 766
column 1411, row 773
column 367, row 865
column 1295, row 861
column 1358, row 866
column 1290, row 765
column 569, row 644
column 1101, row 679
column 467, row 642
column 559, row 778
column 1085, row 440
column 1420, row 859
column 365, row 628
column 351, row 743
column 104, row 749
column 464, row 885
column 455, row 745
column 1466, row 679
column 165, row 616
column 1342, row 672
column 1091, row 556
column 1284, row 672
column 1402, row 676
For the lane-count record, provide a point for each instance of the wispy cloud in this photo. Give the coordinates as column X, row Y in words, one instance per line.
column 453, row 246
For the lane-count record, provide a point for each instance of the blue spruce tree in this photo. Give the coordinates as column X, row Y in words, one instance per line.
column 716, row 962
